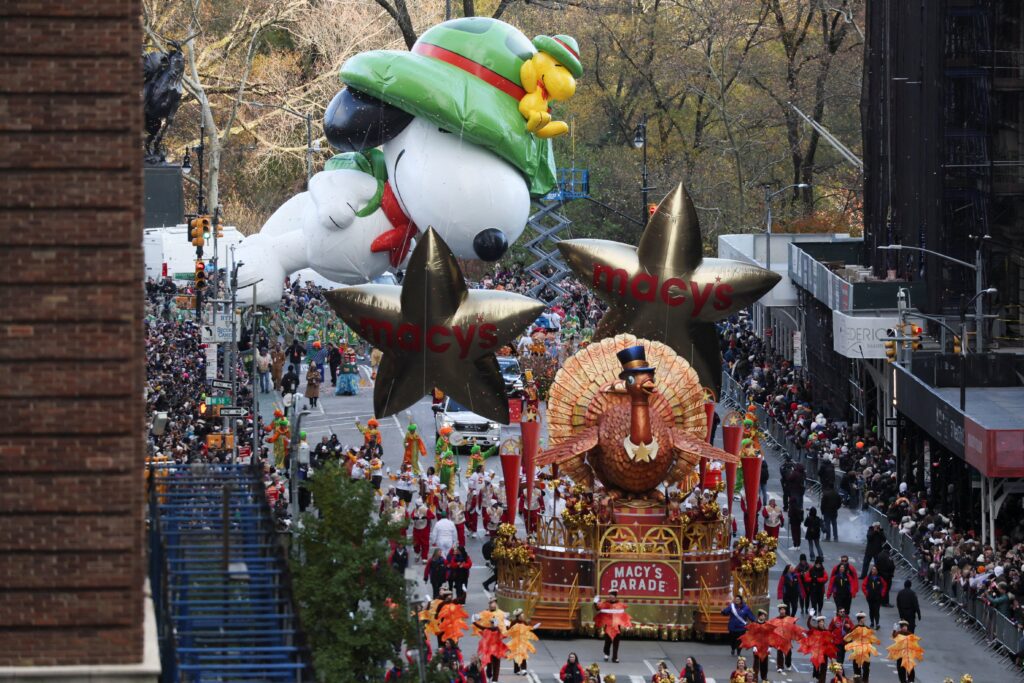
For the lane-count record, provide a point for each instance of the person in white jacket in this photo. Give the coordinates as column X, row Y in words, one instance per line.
column 444, row 535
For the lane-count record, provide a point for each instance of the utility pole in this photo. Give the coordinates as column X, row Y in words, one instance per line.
column 233, row 355
column 255, row 379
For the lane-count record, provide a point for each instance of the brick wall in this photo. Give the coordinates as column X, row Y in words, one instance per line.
column 71, row 354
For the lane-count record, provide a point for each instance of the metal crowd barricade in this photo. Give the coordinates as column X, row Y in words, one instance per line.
column 992, row 627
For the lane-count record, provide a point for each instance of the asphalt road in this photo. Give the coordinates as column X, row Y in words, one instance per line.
column 949, row 649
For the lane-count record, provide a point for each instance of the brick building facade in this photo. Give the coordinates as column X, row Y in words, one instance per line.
column 72, row 562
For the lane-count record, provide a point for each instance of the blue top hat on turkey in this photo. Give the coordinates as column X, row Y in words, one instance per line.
column 633, row 359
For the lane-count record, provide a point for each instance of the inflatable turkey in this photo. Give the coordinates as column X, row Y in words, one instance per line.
column 629, row 413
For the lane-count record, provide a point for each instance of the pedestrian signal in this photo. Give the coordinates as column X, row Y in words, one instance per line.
column 957, row 348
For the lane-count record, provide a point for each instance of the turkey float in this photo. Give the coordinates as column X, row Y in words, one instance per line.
column 630, row 414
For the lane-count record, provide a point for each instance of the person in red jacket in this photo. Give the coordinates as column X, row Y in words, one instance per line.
column 842, row 588
column 572, row 671
column 815, row 580
column 875, row 590
column 840, row 625
column 850, row 569
column 458, row 563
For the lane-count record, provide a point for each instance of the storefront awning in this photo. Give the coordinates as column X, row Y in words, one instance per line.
column 989, row 435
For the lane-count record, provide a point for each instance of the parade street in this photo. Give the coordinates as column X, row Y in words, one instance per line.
column 949, row 647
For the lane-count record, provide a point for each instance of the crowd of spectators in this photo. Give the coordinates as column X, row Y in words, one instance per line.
column 855, row 462
column 176, row 385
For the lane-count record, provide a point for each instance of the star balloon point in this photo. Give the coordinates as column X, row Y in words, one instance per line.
column 435, row 332
column 664, row 289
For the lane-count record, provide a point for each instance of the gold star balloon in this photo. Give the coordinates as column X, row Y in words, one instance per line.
column 664, row 289
column 434, row 332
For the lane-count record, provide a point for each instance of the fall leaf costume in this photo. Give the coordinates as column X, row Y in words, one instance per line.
column 906, row 651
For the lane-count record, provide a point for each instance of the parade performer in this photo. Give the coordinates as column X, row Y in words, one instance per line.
column 815, row 579
column 458, row 563
column 758, row 638
column 531, row 399
column 837, row 669
column 905, row 650
column 452, row 619
column 490, row 626
column 662, row 674
column 457, row 514
column 786, row 631
column 692, row 672
column 572, row 671
column 791, row 589
column 473, row 502
column 612, row 617
column 414, row 448
column 739, row 616
column 280, row 436
column 860, row 645
column 371, row 432
column 428, row 616
column 520, row 645
column 477, row 458
column 348, row 377
column 820, row 645
column 405, row 483
column 534, row 505
column 446, row 471
column 494, row 515
column 840, row 626
column 842, row 587
column 442, row 444
column 739, row 674
column 420, row 519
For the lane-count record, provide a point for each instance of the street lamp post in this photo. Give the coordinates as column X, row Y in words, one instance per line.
column 977, row 267
column 640, row 142
column 768, row 197
column 963, row 342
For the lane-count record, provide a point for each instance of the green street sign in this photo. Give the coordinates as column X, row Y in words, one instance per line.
column 184, row 276
column 218, row 400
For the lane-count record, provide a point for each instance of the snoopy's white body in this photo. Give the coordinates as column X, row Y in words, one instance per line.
column 440, row 181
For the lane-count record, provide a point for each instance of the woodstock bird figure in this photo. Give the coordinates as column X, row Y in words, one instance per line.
column 609, row 419
column 549, row 75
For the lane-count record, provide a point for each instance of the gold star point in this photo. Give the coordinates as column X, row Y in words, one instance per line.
column 435, row 332
column 664, row 289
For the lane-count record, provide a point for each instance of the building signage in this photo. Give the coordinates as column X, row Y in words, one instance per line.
column 930, row 411
column 798, row 349
column 640, row 578
column 861, row 336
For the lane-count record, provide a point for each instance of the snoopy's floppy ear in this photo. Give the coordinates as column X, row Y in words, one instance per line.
column 355, row 121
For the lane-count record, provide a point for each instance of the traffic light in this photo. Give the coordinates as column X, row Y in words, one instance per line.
column 203, row 409
column 651, row 209
column 956, row 345
column 220, row 230
column 200, row 281
column 890, row 345
column 199, row 230
column 915, row 342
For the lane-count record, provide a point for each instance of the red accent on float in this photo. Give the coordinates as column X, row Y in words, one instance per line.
column 731, row 438
column 398, row 240
column 489, row 77
column 751, row 491
column 510, row 463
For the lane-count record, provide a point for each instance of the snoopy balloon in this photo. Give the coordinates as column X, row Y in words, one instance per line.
column 434, row 137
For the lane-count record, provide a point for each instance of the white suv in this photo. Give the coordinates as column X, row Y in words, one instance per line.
column 468, row 428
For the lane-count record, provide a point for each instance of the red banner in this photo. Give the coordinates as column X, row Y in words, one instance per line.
column 751, row 491
column 515, row 410
column 709, row 411
column 531, row 444
column 510, row 463
column 640, row 579
column 731, row 438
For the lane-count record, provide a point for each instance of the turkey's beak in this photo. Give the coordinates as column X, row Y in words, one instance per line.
column 649, row 387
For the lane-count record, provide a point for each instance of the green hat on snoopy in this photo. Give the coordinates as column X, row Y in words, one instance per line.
column 463, row 76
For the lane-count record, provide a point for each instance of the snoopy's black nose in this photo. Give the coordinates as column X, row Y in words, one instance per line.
column 490, row 244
